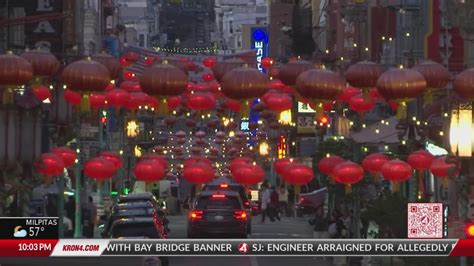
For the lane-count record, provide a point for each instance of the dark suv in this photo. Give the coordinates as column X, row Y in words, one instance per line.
column 217, row 213
column 242, row 193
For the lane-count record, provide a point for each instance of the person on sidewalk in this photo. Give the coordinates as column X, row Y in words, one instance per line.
column 89, row 214
column 320, row 224
column 274, row 205
column 283, row 198
column 265, row 202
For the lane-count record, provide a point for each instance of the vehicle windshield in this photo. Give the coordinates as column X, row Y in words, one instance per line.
column 135, row 230
column 218, row 203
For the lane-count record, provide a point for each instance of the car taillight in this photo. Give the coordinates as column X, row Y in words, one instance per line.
column 224, row 185
column 240, row 214
column 218, row 196
column 301, row 200
column 194, row 215
column 247, row 204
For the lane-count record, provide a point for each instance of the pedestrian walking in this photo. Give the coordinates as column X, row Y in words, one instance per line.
column 89, row 214
column 283, row 199
column 338, row 230
column 274, row 204
column 265, row 202
column 320, row 224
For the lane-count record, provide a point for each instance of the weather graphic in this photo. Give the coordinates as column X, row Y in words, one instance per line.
column 19, row 232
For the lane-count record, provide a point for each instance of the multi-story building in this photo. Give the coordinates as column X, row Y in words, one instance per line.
column 231, row 16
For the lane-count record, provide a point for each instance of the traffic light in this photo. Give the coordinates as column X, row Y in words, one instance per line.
column 469, row 228
column 324, row 120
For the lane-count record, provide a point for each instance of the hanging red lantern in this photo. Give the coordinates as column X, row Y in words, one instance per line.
column 99, row 168
column 464, row 84
column 273, row 72
column 361, row 104
column 124, row 62
column 364, row 74
column 68, row 155
column 150, row 60
column 396, row 171
column 72, row 97
column 374, row 93
column 207, row 77
column 444, row 167
column 401, row 83
column 173, row 102
column 97, row 101
column 42, row 92
column 130, row 86
column 420, row 160
column 50, row 164
column 327, row 106
column 327, row 164
column 190, row 122
column 277, row 101
column 191, row 66
column 348, row 173
column 248, row 174
column 136, row 100
column 281, row 165
column 291, row 70
column 197, row 160
column 113, row 157
column 148, row 171
column 298, row 174
column 44, row 63
column 232, row 105
column 163, row 80
column 117, row 98
column 86, row 75
column 198, row 173
column 393, row 105
column 373, row 163
column 15, row 70
column 155, row 158
column 319, row 84
column 209, row 62
column 235, row 164
column 436, row 75
column 201, row 101
column 279, row 86
column 244, row 83
column 152, row 102
column 347, row 93
column 110, row 62
column 221, row 68
column 132, row 56
column 267, row 62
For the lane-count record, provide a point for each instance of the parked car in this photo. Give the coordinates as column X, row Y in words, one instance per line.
column 136, row 209
column 243, row 196
column 217, row 213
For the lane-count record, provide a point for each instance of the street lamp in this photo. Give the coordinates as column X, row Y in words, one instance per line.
column 460, row 130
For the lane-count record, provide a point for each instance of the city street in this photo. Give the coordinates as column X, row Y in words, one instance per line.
column 287, row 228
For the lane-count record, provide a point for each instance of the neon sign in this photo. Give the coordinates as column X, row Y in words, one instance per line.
column 260, row 44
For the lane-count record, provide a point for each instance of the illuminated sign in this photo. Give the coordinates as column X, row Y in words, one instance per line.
column 282, row 148
column 305, row 108
column 244, row 125
column 259, row 42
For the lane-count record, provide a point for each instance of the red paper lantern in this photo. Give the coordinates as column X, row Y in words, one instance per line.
column 232, row 105
column 319, row 84
column 436, row 75
column 163, row 80
column 136, row 100
column 99, row 168
column 50, row 164
column 393, row 105
column 373, row 163
column 298, row 174
column 361, row 104
column 68, row 155
column 290, row 71
column 464, row 84
column 15, row 70
column 44, row 63
column 235, row 164
column 113, row 157
column 244, row 83
column 42, row 92
column 277, row 101
column 364, row 74
column 201, row 101
column 97, row 101
column 248, row 174
column 72, row 97
column 347, row 93
column 207, row 77
column 348, row 173
column 221, row 68
column 131, row 56
column 209, row 62
column 396, row 171
column 173, row 102
column 327, row 164
column 440, row 168
column 155, row 158
column 148, row 171
column 86, row 75
column 401, row 83
column 130, row 86
column 267, row 62
column 117, row 98
column 152, row 102
column 110, row 62
column 198, row 173
column 374, row 93
column 128, row 75
column 420, row 160
column 281, row 165
column 150, row 60
column 327, row 106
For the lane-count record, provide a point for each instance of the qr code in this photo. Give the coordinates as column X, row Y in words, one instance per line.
column 425, row 220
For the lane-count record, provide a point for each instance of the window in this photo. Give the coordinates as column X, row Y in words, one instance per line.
column 141, row 40
column 231, row 27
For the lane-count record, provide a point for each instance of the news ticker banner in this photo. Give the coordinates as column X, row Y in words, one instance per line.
column 234, row 247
